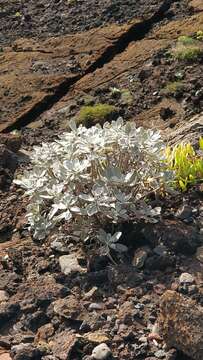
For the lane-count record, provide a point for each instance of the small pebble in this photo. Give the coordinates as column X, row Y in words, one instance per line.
column 143, row 339
column 3, row 296
column 186, row 278
column 160, row 354
column 96, row 306
column 101, row 352
column 69, row 264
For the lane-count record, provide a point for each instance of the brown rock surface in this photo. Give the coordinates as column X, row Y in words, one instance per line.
column 189, row 131
column 138, row 52
column 32, row 71
column 196, row 5
column 63, row 344
column 135, row 55
column 181, row 323
column 36, row 74
column 4, row 355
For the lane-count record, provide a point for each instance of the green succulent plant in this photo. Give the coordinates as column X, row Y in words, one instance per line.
column 199, row 35
column 186, row 163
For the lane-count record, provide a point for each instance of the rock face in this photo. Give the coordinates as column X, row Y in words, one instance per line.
column 174, row 235
column 9, row 145
column 181, row 324
column 47, row 67
column 52, row 67
column 187, row 132
column 12, row 142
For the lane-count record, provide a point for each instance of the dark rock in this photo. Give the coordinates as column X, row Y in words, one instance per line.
column 144, row 74
column 124, row 275
column 171, row 354
column 160, row 250
column 7, row 158
column 36, row 320
column 6, row 229
column 25, row 352
column 97, row 263
column 8, row 165
column 7, row 312
column 192, row 289
column 175, row 235
column 181, row 324
column 184, row 212
column 12, row 142
column 166, row 113
column 85, row 327
column 156, row 262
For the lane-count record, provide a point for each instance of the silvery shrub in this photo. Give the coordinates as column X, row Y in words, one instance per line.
column 90, row 178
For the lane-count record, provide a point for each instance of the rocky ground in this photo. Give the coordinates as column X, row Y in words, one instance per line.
column 59, row 300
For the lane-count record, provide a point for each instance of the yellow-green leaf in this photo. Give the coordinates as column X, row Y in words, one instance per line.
column 201, row 143
column 183, row 186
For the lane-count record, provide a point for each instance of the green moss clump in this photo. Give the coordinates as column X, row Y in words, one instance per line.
column 99, row 113
column 186, row 40
column 187, row 49
column 126, row 97
column 173, row 88
column 189, row 53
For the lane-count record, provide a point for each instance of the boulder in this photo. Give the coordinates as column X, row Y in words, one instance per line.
column 8, row 165
column 188, row 131
column 181, row 324
column 8, row 160
column 12, row 142
column 63, row 344
column 174, row 235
